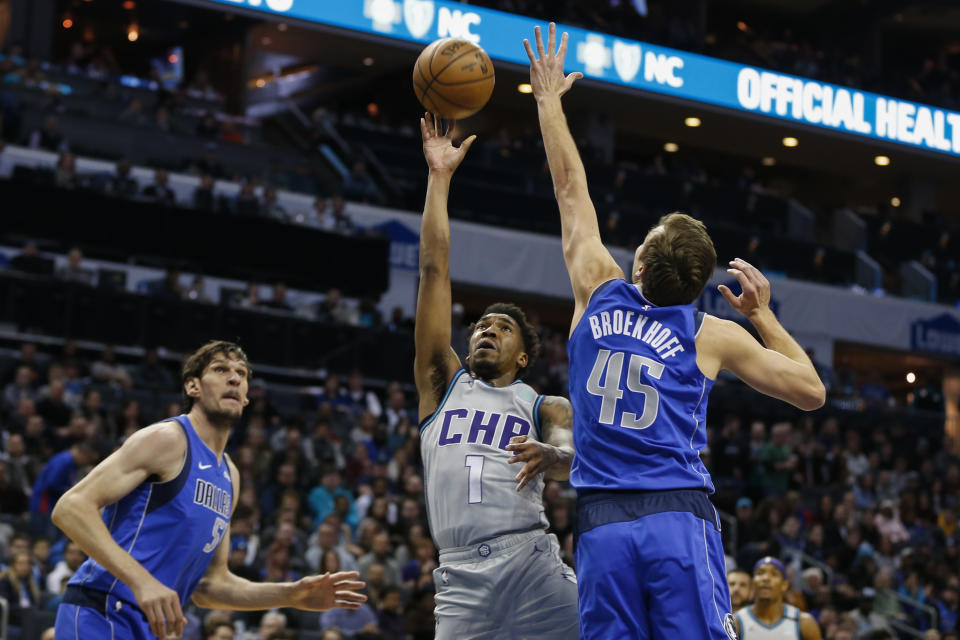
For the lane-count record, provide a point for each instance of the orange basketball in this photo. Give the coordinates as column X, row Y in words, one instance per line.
column 453, row 78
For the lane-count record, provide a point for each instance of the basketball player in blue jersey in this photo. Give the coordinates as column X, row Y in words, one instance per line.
column 167, row 496
column 500, row 573
column 769, row 617
column 642, row 362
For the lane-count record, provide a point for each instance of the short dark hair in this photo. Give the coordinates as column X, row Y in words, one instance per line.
column 197, row 361
column 678, row 262
column 528, row 333
column 210, row 628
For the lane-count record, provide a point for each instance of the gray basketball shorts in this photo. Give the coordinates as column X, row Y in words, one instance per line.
column 514, row 587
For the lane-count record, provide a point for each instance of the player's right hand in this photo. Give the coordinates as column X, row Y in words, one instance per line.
column 756, row 288
column 546, row 67
column 161, row 605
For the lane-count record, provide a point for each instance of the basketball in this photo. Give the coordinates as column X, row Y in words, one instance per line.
column 453, row 78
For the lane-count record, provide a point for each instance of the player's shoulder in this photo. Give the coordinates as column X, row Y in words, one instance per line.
column 160, row 438
column 718, row 333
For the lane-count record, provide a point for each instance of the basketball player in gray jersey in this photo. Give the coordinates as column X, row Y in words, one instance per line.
column 500, row 573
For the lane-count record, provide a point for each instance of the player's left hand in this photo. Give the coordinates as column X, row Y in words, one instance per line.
column 328, row 591
column 539, row 456
column 438, row 147
column 546, row 68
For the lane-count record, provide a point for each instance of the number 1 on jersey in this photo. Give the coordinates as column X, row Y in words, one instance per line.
column 610, row 391
column 474, row 484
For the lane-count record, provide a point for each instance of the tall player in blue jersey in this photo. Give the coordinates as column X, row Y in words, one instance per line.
column 167, row 496
column 642, row 361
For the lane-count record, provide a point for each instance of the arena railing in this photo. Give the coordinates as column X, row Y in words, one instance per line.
column 916, row 604
column 4, row 617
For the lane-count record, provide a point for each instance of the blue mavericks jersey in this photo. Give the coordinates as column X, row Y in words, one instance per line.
column 639, row 399
column 171, row 528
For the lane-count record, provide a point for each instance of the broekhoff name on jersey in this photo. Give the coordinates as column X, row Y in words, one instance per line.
column 622, row 322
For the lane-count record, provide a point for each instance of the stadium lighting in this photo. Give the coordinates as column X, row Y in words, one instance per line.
column 671, row 147
column 133, row 33
column 790, row 141
column 882, row 161
column 129, row 5
column 67, row 23
column 894, row 201
column 282, row 26
column 768, row 161
column 911, row 377
column 368, row 61
column 524, row 88
column 692, row 121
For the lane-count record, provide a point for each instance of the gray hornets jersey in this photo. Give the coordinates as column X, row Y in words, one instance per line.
column 787, row 628
column 470, row 488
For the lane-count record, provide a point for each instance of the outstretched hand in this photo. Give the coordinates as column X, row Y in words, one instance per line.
column 546, row 71
column 538, row 456
column 329, row 591
column 756, row 288
column 438, row 147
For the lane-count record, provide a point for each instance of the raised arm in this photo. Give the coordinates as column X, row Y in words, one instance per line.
column 553, row 456
column 435, row 361
column 782, row 369
column 221, row 589
column 588, row 261
column 156, row 451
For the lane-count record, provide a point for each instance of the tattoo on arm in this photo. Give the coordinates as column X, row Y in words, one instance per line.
column 556, row 414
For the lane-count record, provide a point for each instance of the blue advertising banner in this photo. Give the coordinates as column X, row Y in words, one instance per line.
column 643, row 66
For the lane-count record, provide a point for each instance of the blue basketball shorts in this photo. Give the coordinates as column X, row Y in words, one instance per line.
column 99, row 617
column 650, row 566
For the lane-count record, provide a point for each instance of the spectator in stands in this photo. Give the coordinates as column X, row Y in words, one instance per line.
column 53, row 407
column 341, row 221
column 168, row 287
column 160, row 190
column 334, row 309
column 6, row 162
column 59, row 474
column 271, row 206
column 360, row 399
column 247, row 203
column 162, row 121
column 397, row 409
column 321, row 217
column 134, row 114
column 864, row 617
column 13, row 500
column 208, row 127
column 219, row 630
column 209, row 163
column 18, row 588
column 65, row 173
column 73, row 557
column 358, row 185
column 49, row 136
column 203, row 197
column 278, row 300
column 947, row 604
column 355, row 622
column 74, row 271
column 122, row 184
column 20, row 466
column 321, row 498
column 272, row 622
column 152, row 374
column 30, row 260
column 21, row 387
column 107, row 370
column 381, row 552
